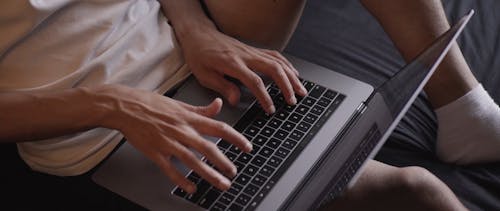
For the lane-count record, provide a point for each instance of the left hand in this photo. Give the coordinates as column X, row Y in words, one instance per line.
column 211, row 54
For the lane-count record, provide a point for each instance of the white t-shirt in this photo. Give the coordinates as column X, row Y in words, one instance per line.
column 60, row 44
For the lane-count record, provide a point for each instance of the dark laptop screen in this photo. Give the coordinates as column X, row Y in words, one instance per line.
column 408, row 82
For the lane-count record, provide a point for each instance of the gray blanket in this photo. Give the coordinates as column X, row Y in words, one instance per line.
column 342, row 35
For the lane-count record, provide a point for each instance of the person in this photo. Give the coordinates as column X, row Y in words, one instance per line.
column 78, row 76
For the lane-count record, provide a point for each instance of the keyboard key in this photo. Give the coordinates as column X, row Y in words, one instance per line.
column 324, row 102
column 234, row 149
column 231, row 156
column 275, row 123
column 297, row 135
column 251, row 189
column 223, row 144
column 309, row 101
column 209, row 198
column 193, row 177
column 218, row 207
column 330, row 94
column 243, row 199
column 273, row 143
column 235, row 207
column 273, row 91
column 250, row 170
column 255, row 150
column 288, row 126
column 258, row 160
column 282, row 152
column 244, row 158
column 317, row 110
column 226, row 199
column 266, row 152
column 260, row 140
column 239, row 165
column 308, row 85
column 310, row 118
column 281, row 134
column 302, row 109
column 274, row 161
column 180, row 192
column 267, row 171
column 303, row 126
column 259, row 180
column 282, row 114
column 289, row 144
column 242, row 179
column 295, row 118
column 252, row 131
column 267, row 132
column 235, row 189
column 317, row 91
column 259, row 123
column 289, row 108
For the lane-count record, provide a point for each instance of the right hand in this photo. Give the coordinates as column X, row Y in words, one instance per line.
column 162, row 128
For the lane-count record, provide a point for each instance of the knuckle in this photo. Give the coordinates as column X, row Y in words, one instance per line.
column 221, row 126
column 256, row 81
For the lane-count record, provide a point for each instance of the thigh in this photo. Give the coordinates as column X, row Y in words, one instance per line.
column 384, row 187
column 266, row 23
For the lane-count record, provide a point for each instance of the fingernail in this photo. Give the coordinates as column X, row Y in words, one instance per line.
column 249, row 147
column 272, row 109
column 293, row 100
column 303, row 90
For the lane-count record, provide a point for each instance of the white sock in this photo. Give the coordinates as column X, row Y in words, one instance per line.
column 469, row 129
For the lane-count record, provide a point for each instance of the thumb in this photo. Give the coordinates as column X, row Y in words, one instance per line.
column 209, row 110
column 218, row 83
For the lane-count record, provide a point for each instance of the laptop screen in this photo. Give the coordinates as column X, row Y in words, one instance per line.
column 406, row 84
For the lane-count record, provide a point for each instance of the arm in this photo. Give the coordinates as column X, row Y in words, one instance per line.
column 157, row 126
column 413, row 25
column 211, row 55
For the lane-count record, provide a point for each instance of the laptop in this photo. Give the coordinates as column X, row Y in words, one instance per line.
column 304, row 155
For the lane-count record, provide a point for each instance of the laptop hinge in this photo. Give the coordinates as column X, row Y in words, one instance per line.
column 352, row 120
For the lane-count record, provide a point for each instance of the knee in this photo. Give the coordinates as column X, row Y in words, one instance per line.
column 417, row 182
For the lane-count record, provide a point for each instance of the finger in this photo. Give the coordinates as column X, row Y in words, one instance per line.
column 298, row 87
column 177, row 178
column 216, row 82
column 278, row 55
column 209, row 111
column 189, row 137
column 205, row 171
column 222, row 130
column 251, row 80
column 275, row 70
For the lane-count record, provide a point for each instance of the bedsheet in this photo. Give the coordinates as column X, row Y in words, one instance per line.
column 342, row 35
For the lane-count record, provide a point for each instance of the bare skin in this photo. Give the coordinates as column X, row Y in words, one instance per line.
column 173, row 127
column 170, row 128
column 422, row 21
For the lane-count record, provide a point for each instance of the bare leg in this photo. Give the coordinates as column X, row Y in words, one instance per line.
column 413, row 25
column 468, row 117
column 384, row 187
column 265, row 23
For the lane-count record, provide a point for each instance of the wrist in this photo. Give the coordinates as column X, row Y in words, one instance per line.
column 104, row 103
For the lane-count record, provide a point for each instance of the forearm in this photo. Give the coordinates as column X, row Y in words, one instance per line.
column 35, row 116
column 187, row 18
column 414, row 25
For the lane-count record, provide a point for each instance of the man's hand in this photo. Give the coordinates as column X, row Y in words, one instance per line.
column 163, row 128
column 211, row 55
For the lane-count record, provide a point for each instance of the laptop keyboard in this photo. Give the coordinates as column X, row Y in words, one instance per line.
column 277, row 140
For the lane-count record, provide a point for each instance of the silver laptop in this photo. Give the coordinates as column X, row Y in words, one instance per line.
column 304, row 155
